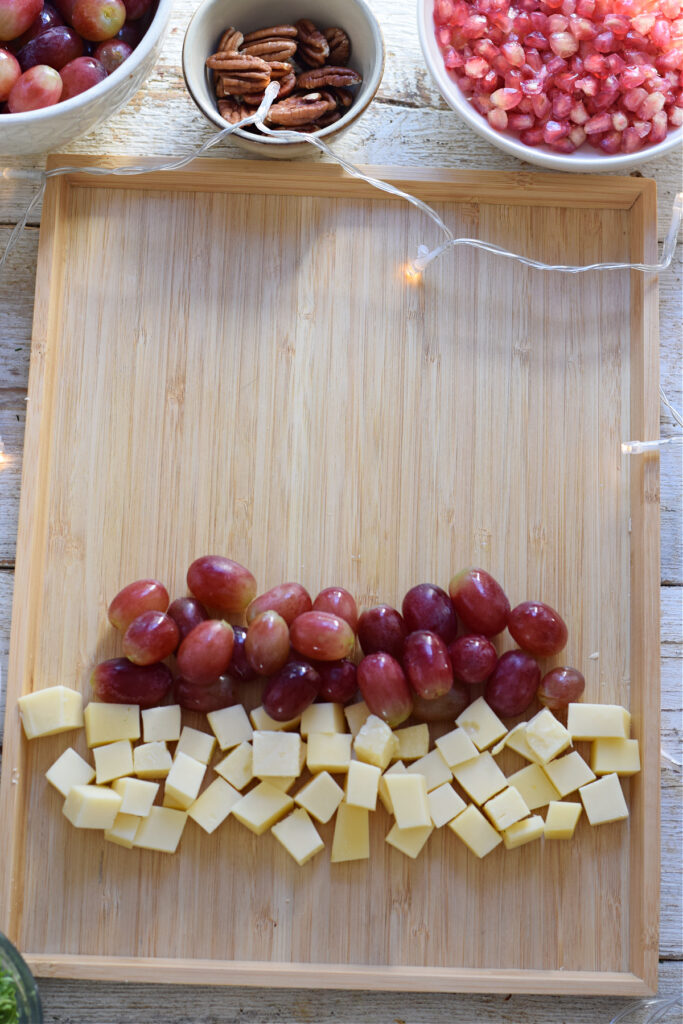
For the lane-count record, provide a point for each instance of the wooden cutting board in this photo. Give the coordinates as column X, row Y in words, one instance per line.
column 231, row 359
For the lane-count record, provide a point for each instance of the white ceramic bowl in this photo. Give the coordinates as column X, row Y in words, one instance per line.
column 583, row 159
column 212, row 18
column 54, row 127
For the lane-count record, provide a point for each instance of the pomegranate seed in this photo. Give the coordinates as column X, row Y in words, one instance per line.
column 562, row 105
column 488, row 83
column 618, row 24
column 642, row 23
column 599, row 123
column 513, row 79
column 585, row 8
column 476, row 67
column 615, row 64
column 577, row 135
column 558, row 23
column 659, row 128
column 541, row 106
column 452, row 59
column 506, row 99
column 518, row 122
column 554, row 130
column 514, row 53
column 498, row 119
column 633, row 99
column 588, row 85
column 578, row 114
column 595, row 64
column 631, row 141
column 676, row 117
column 475, row 26
column 604, row 42
column 650, row 106
column 482, row 103
column 443, row 11
column 582, row 28
column 568, row 7
column 563, row 145
column 443, row 37
column 619, row 121
column 643, row 128
column 485, row 48
column 611, row 143
column 532, row 137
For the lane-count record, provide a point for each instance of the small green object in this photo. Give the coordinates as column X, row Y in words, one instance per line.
column 9, row 1012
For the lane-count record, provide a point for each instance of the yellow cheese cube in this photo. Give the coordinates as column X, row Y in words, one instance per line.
column 152, row 760
column 328, row 751
column 546, row 736
column 323, row 718
column 176, row 805
column 505, row 809
column 50, row 711
column 69, row 770
column 615, row 755
column 603, row 801
column 124, row 830
column 598, row 721
column 237, row 767
column 408, row 794
column 230, row 726
column 281, row 782
column 161, row 830
column 321, row 796
column 375, row 743
column 516, row 740
column 112, row 760
column 197, row 744
column 456, row 747
column 476, row 833
column 299, row 836
column 137, row 796
column 351, row 840
column 444, row 805
column 275, row 754
column 356, row 716
column 214, row 805
column 481, row 778
column 534, row 786
column 262, row 807
column 561, row 819
column 184, row 780
column 382, row 790
column 91, row 806
column 481, row 724
column 162, row 723
column 409, row 840
column 523, row 832
column 568, row 773
column 260, row 719
column 362, row 782
column 413, row 741
column 434, row 769
column 106, row 723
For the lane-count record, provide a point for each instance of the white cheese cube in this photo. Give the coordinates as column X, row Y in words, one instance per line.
column 237, row 767
column 262, row 807
column 475, row 831
column 260, row 719
column 323, row 718
column 523, row 832
column 231, row 726
column 124, row 830
column 112, row 760
column 561, row 819
column 197, row 744
column 328, row 751
column 356, row 716
column 568, row 773
column 409, row 840
column 444, row 805
column 545, row 736
column 413, row 741
column 375, row 743
column 408, row 794
column 214, row 805
column 597, row 721
column 603, row 801
column 176, row 805
column 610, row 754
column 505, row 809
column 91, row 806
column 433, row 768
column 481, row 724
column 281, row 782
column 184, row 780
column 298, row 835
column 161, row 723
column 481, row 778
column 50, row 711
column 362, row 782
column 161, row 830
column 321, row 796
column 456, row 747
column 106, row 723
column 137, row 796
column 69, row 770
column 382, row 790
column 152, row 760
column 351, row 840
column 516, row 740
column 534, row 786
column 275, row 754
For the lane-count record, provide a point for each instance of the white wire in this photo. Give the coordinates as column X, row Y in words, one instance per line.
column 658, row 1006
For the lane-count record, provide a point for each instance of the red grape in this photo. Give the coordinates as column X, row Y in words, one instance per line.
column 338, row 602
column 427, row 665
column 428, row 607
column 81, row 74
column 38, row 87
column 54, row 47
column 513, row 685
column 16, row 16
column 338, row 682
column 112, row 53
column 537, row 628
column 382, row 629
column 136, row 8
column 221, row 583
column 98, row 19
column 561, row 686
column 479, row 601
column 205, row 653
column 287, row 599
column 473, row 658
column 150, row 638
column 65, row 8
column 9, row 73
column 322, row 636
column 217, row 695
column 131, row 33
column 119, row 681
column 443, row 709
column 291, row 691
column 239, row 668
column 267, row 644
column 138, row 597
column 187, row 613
column 385, row 688
column 49, row 17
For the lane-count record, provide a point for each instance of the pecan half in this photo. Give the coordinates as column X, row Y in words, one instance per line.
column 344, row 97
column 297, row 110
column 317, row 78
column 240, row 73
column 322, row 122
column 339, row 44
column 271, row 49
column 287, row 85
column 231, row 40
column 279, row 69
column 313, row 48
column 274, row 32
column 232, row 110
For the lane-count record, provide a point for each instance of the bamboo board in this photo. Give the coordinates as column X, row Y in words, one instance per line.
column 230, row 358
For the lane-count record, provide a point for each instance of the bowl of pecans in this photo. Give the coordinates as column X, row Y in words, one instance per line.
column 327, row 57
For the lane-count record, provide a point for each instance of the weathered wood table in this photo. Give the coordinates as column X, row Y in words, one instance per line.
column 408, row 124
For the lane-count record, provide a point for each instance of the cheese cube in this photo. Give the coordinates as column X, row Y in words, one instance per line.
column 444, row 805
column 214, row 805
column 262, row 807
column 329, row 752
column 161, row 830
column 281, row 782
column 534, row 786
column 184, row 780
column 382, row 790
column 568, row 773
column 505, row 809
column 597, row 721
column 523, row 832
column 176, row 805
column 456, row 747
column 481, row 778
column 323, row 718
column 106, row 723
column 237, row 767
column 50, row 711
column 375, row 743
column 561, row 819
column 161, row 723
column 362, row 782
column 112, row 760
column 481, row 724
column 546, row 736
column 615, row 755
column 516, row 740
column 260, row 719
column 276, row 754
column 321, row 796
column 231, row 726
column 69, row 770
column 197, row 744
column 137, row 796
column 476, row 833
column 152, row 760
column 299, row 836
column 408, row 795
column 351, row 840
column 356, row 716
column 91, row 806
column 124, row 830
column 413, row 741
column 603, row 801
column 433, row 768
column 409, row 840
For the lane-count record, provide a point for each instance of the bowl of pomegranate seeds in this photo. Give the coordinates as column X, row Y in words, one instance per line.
column 576, row 85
